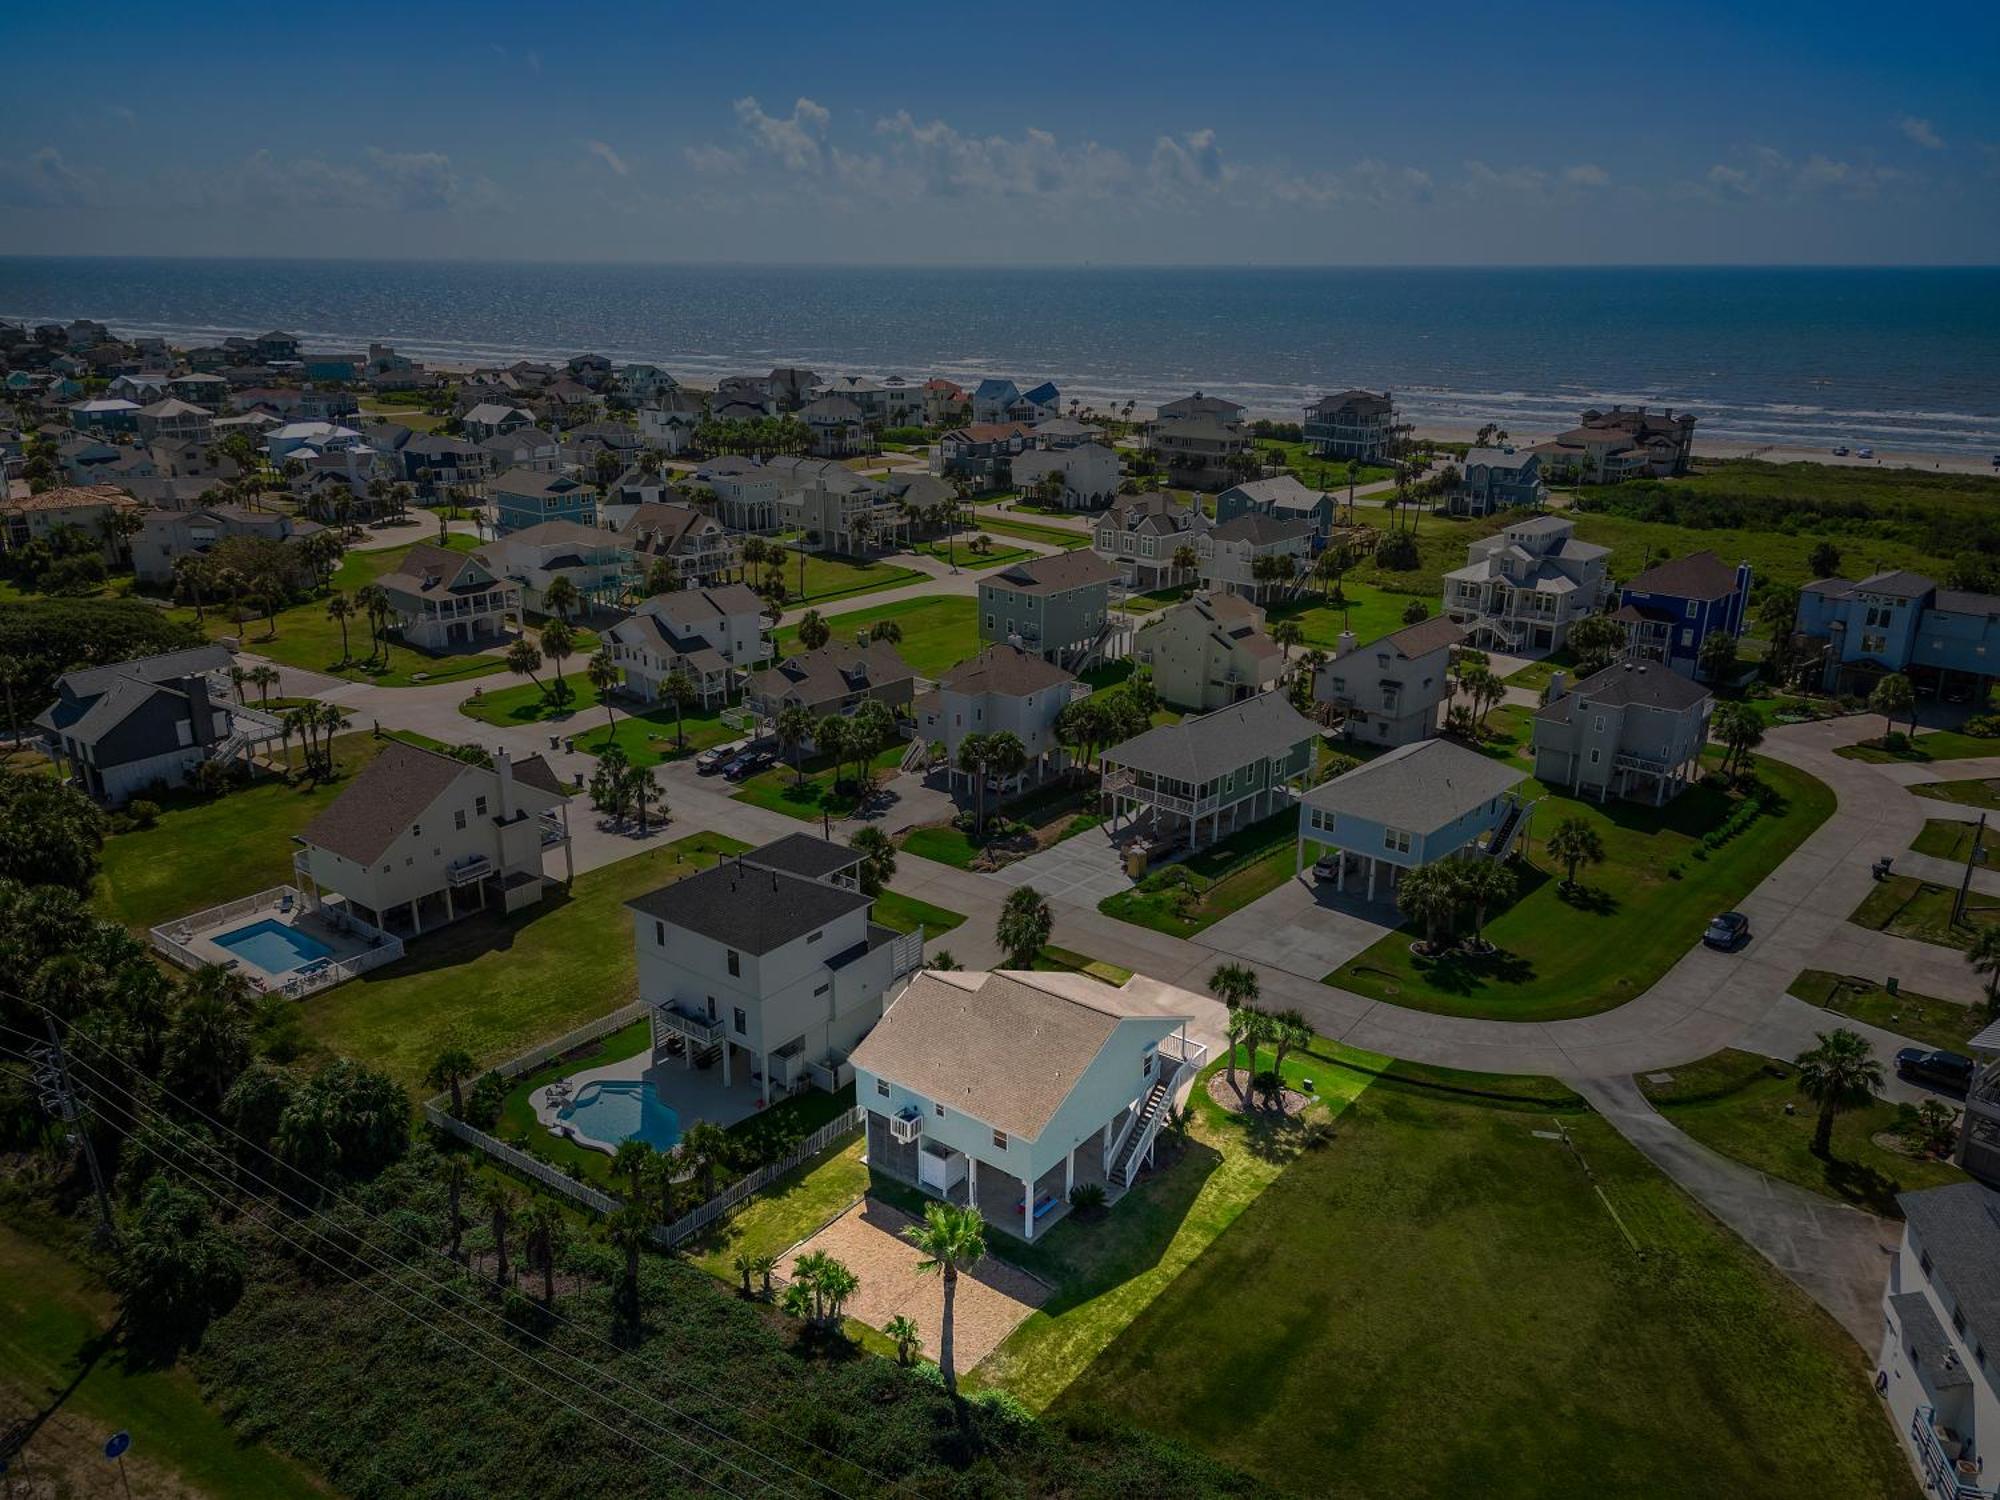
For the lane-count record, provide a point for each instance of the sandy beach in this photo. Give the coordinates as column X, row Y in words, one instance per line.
column 1885, row 458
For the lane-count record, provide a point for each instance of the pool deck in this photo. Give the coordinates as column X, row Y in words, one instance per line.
column 339, row 943
column 692, row 1093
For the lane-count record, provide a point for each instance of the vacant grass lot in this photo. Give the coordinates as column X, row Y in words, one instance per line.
column 781, row 790
column 1974, row 793
column 830, row 577
column 1573, row 954
column 1936, row 1023
column 996, row 555
column 1440, row 1302
column 1226, row 877
column 1028, row 531
column 1906, row 907
column 505, row 982
column 938, row 633
column 1947, row 838
column 204, row 851
column 905, row 913
column 1369, row 613
column 1940, row 744
column 1735, row 1103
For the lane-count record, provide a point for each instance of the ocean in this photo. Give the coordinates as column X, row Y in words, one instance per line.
column 1790, row 357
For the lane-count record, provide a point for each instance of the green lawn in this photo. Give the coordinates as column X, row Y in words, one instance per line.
column 1536, row 674
column 1905, row 907
column 780, row 789
column 507, row 982
column 996, row 556
column 831, row 577
column 904, row 913
column 1564, row 954
column 1028, row 531
column 1440, row 1302
column 655, row 735
column 1974, row 793
column 1370, row 613
column 205, row 851
column 1226, row 877
column 1735, row 1102
column 787, row 1211
column 1936, row 1023
column 1947, row 838
column 938, row 633
column 307, row 638
column 528, row 702
column 1327, row 474
column 58, row 1336
column 1939, row 744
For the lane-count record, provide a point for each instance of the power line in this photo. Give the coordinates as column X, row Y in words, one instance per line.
column 159, row 1116
column 278, row 1234
column 740, row 1408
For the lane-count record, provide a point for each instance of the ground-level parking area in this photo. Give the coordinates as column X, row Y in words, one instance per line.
column 1302, row 928
column 993, row 1297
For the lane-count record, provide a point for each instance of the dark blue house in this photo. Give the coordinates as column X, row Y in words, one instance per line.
column 1669, row 610
column 1946, row 641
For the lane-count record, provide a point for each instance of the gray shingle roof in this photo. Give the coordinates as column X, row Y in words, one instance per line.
column 1959, row 1228
column 1055, row 574
column 1261, row 530
column 1422, row 638
column 1929, row 1344
column 389, row 794
column 803, row 855
column 1006, row 670
column 1897, row 583
column 1699, row 575
column 1625, row 683
column 1200, row 749
column 751, row 910
column 1417, row 787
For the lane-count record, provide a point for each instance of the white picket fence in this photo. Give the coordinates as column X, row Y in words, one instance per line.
column 519, row 1161
column 603, row 1026
column 726, row 1202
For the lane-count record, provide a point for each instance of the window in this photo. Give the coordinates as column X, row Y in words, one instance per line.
column 1875, row 645
column 1594, row 755
column 735, row 962
column 938, row 1110
column 821, row 990
column 882, row 1088
column 417, row 830
column 1396, row 840
column 1598, row 725
column 660, row 934
column 1691, row 608
column 1000, row 1140
column 458, row 820
column 479, row 806
column 742, row 1022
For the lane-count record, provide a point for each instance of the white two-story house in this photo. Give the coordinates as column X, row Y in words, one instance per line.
column 1003, row 688
column 710, row 635
column 1140, row 535
column 768, row 964
column 1390, row 690
column 1230, row 553
column 1522, row 588
column 444, row 600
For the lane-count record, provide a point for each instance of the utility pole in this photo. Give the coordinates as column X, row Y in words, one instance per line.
column 1975, row 854
column 59, row 1097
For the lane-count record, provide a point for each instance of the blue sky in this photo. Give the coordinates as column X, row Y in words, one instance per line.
column 1275, row 134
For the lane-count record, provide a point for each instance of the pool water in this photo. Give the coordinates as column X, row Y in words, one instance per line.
column 618, row 1111
column 273, row 946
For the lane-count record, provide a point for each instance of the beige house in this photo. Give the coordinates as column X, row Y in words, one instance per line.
column 1140, row 535
column 444, row 600
column 87, row 507
column 593, row 559
column 1230, row 554
column 1208, row 651
column 1089, row 474
column 698, row 548
column 1002, row 688
column 1199, row 452
column 709, row 635
column 836, row 679
column 1353, row 424
column 1389, row 691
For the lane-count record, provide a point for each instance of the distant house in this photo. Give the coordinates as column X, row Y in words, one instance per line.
column 710, row 635
column 790, row 387
column 1420, row 803
column 120, row 730
column 1898, row 621
column 997, row 401
column 1230, row 555
column 1608, row 447
column 697, row 548
column 1200, row 452
column 945, row 402
column 491, row 418
column 1141, row 534
column 837, row 427
column 769, row 965
column 1007, row 1091
column 1669, row 610
column 1282, row 498
column 1353, row 424
column 838, row 509
column 1491, row 479
column 419, row 838
column 530, row 497
column 597, row 562
column 1523, row 588
column 835, row 679
column 166, row 536
column 1390, row 690
column 1002, row 688
column 668, row 421
column 1089, row 473
column 89, row 508
column 1631, row 730
column 437, row 463
column 523, row 448
column 644, row 383
column 1208, row 651
column 443, row 600
column 1057, row 607
column 105, row 415
column 305, row 439
column 1206, row 776
column 1219, row 408
column 200, row 388
column 174, row 418
column 746, row 492
column 983, row 454
column 893, row 402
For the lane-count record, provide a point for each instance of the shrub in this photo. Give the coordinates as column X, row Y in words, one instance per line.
column 1268, row 1085
column 1895, row 739
column 482, row 1104
column 118, row 822
column 1398, row 552
column 1086, row 1196
column 1983, row 726
column 144, row 814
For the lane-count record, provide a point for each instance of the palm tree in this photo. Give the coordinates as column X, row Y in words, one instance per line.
column 1432, row 894
column 1737, row 727
column 560, row 598
column 949, row 1240
column 679, row 688
column 795, row 727
column 1185, row 560
column 706, row 1147
column 1244, row 1027
column 522, row 659
column 456, row 1173
column 1839, row 1075
column 340, row 608
column 644, row 789
column 909, row 1341
column 449, row 1070
column 500, row 1201
column 630, row 1161
column 558, row 641
column 814, row 632
column 1486, row 883
column 886, row 630
column 1234, row 985
column 1984, row 956
column 543, row 1230
column 1893, row 695
column 1289, row 1029
column 629, row 1230
column 265, row 678
column 1575, row 842
column 374, row 600
column 603, row 675
column 1006, row 756
column 972, row 761
column 1024, row 926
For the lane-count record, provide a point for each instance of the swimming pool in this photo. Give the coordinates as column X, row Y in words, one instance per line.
column 273, row 946
column 608, row 1113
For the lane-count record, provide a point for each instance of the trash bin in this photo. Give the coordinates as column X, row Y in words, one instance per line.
column 1891, row 984
column 1135, row 860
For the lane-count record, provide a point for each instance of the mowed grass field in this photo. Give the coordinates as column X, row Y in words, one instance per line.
column 1441, row 1302
column 938, row 633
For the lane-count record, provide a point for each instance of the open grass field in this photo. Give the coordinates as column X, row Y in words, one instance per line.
column 1226, row 877
column 1939, row 744
column 781, row 790
column 1936, row 1023
column 1440, row 1302
column 58, row 1335
column 1573, row 954
column 1906, row 907
column 1980, row 793
column 831, row 577
column 1048, row 536
column 305, row 637
column 1369, row 613
column 653, row 735
column 1329, row 474
column 906, row 913
column 1734, row 1102
column 996, row 555
column 204, row 851
column 938, row 633
column 1949, row 838
column 528, row 702
column 506, row 982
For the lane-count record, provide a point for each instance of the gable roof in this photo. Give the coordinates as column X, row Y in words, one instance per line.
column 1635, row 684
column 1958, row 1227
column 1056, row 573
column 428, row 566
column 1418, row 787
column 833, row 671
column 1699, row 575
column 1896, row 583
column 685, row 606
column 372, row 811
column 1006, row 1047
column 1422, row 638
column 751, row 910
column 1008, row 671
column 1202, row 748
column 1279, row 493
column 1261, row 530
column 803, row 855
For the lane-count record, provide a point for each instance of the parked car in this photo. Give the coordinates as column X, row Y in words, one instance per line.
column 748, row 764
column 1730, row 930
column 1864, row 452
column 1840, row 451
column 1327, row 867
column 716, row 757
column 1944, row 1070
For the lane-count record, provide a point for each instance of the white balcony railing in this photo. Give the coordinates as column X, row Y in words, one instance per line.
column 905, row 1126
column 699, row 1029
column 467, row 871
column 1942, row 1471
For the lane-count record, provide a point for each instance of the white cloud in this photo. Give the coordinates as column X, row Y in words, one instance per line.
column 1919, row 130
column 794, row 140
column 713, row 161
column 1766, row 172
column 610, row 158
column 43, row 179
column 379, row 182
column 1191, row 161
column 1586, row 175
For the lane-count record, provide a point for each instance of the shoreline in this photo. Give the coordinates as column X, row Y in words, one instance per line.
column 1772, row 453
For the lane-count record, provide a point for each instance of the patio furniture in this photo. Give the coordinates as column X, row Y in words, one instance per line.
column 285, row 902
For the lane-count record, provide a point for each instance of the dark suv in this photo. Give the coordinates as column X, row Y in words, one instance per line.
column 1940, row 1070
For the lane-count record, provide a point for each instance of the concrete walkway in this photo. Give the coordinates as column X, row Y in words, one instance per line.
column 1837, row 1255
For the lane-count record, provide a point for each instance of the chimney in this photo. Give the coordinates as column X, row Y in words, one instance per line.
column 1558, row 685
column 1346, row 644
column 861, row 639
column 503, row 767
column 201, row 709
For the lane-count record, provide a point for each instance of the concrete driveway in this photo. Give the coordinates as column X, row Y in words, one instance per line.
column 1081, row 871
column 1301, row 928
